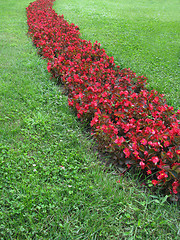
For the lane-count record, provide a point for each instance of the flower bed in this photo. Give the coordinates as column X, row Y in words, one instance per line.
column 133, row 124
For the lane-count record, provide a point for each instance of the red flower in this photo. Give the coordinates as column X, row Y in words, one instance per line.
column 150, row 106
column 134, row 146
column 178, row 152
column 156, row 100
column 104, row 94
column 94, row 121
column 154, row 182
column 146, row 153
column 49, row 66
column 170, row 154
column 155, row 160
column 143, row 141
column 171, row 108
column 127, row 152
column 119, row 140
column 175, row 186
column 149, row 172
column 166, row 143
column 136, row 153
column 162, row 175
column 128, row 165
column 142, row 164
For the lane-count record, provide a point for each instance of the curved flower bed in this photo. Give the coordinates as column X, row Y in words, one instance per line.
column 133, row 124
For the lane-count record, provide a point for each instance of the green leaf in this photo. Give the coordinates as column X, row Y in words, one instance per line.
column 177, row 168
column 164, row 199
column 127, row 233
column 142, row 148
column 139, row 222
column 169, row 178
column 165, row 167
column 173, row 173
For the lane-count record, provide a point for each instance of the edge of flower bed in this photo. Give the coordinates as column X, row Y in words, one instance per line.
column 133, row 124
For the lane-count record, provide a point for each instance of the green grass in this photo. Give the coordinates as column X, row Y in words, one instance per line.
column 40, row 199
column 142, row 35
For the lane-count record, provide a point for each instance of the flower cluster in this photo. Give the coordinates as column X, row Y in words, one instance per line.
column 133, row 124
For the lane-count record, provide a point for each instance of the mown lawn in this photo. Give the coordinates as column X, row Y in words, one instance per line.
column 141, row 35
column 51, row 185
